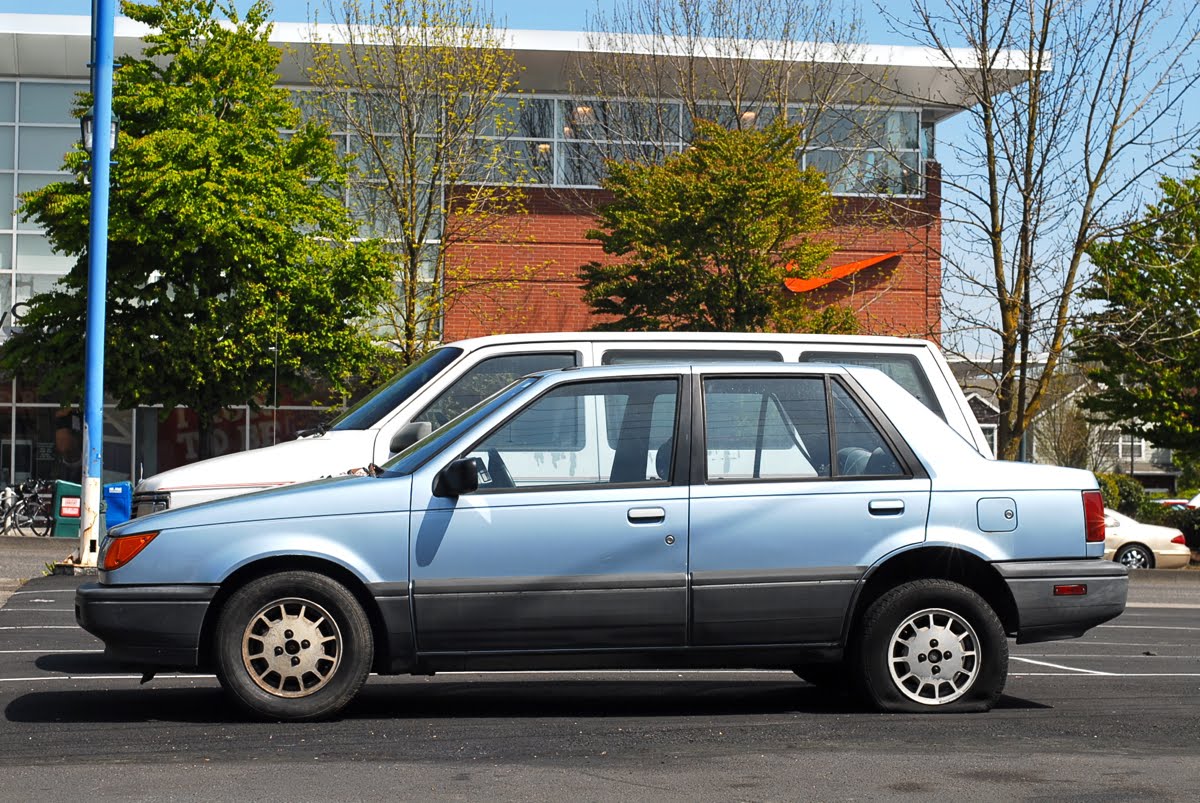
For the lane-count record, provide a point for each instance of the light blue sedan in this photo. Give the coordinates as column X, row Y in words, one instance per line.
column 808, row 517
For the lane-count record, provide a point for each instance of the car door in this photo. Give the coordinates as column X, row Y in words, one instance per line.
column 577, row 536
column 802, row 487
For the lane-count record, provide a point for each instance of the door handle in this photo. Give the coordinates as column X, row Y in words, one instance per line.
column 886, row 507
column 646, row 515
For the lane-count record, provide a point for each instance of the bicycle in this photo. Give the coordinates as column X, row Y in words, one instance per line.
column 32, row 514
column 9, row 496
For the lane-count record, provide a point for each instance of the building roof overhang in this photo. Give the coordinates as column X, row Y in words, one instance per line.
column 58, row 46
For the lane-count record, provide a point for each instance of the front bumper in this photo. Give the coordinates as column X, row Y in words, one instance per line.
column 146, row 627
column 1043, row 616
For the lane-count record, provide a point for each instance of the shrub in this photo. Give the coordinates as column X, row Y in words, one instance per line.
column 1110, row 489
column 1187, row 522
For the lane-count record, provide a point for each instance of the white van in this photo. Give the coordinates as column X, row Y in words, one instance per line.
column 455, row 376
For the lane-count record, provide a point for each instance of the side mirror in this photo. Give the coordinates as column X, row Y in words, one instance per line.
column 458, row 478
column 409, row 434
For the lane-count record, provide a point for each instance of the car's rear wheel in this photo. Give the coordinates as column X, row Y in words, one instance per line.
column 294, row 645
column 932, row 645
column 1135, row 556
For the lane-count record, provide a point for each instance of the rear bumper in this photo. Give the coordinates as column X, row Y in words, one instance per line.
column 1043, row 616
column 146, row 627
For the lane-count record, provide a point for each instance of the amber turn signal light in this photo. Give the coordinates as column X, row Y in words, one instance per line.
column 125, row 548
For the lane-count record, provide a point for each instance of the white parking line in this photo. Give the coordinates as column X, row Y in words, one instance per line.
column 1180, row 605
column 39, row 627
column 1076, row 674
column 37, row 610
column 70, row 591
column 1060, row 666
column 95, row 677
column 42, row 652
column 1148, row 627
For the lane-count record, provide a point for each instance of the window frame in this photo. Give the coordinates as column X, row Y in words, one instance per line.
column 683, row 407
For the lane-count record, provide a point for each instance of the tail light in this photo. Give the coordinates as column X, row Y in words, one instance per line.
column 124, row 548
column 1093, row 516
column 1179, row 539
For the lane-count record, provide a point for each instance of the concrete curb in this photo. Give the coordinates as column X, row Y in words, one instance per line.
column 1165, row 575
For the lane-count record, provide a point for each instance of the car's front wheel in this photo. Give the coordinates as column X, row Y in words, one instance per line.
column 932, row 645
column 293, row 645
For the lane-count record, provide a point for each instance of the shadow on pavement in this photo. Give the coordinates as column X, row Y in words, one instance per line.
column 79, row 663
column 466, row 700
column 200, row 705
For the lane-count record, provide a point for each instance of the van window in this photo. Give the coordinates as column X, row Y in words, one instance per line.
column 632, row 356
column 487, row 377
column 903, row 369
column 379, row 403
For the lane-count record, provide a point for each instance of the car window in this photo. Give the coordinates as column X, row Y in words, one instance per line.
column 631, row 356
column 749, row 433
column 519, row 454
column 861, row 449
column 487, row 377
column 423, row 450
column 903, row 369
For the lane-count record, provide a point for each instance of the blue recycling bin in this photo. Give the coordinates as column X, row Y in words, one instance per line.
column 118, row 499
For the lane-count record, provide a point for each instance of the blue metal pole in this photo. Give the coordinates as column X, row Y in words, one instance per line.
column 104, row 12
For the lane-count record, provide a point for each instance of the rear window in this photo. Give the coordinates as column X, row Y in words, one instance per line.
column 903, row 369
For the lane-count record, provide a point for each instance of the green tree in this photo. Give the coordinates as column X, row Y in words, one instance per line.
column 1144, row 340
column 426, row 88
column 705, row 240
column 227, row 249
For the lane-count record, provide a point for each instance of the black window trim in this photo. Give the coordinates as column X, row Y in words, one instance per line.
column 911, row 467
column 697, row 354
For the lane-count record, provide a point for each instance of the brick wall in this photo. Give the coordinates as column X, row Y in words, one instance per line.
column 527, row 279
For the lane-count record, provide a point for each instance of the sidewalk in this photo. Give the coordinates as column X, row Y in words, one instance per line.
column 23, row 558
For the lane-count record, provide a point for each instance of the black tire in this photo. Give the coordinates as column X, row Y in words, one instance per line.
column 931, row 646
column 280, row 674
column 1135, row 556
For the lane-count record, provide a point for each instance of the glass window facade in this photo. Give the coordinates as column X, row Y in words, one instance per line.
column 563, row 142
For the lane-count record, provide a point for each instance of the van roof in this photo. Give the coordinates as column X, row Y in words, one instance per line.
column 691, row 337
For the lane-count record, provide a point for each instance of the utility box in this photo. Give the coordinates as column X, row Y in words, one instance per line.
column 118, row 501
column 68, row 508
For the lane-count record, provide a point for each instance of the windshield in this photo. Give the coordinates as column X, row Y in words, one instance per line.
column 416, row 455
column 370, row 410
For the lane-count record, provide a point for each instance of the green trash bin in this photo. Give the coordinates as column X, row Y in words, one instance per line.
column 68, row 508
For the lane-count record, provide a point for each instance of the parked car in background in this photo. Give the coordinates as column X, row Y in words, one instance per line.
column 1143, row 546
column 1181, row 504
column 815, row 518
column 453, row 377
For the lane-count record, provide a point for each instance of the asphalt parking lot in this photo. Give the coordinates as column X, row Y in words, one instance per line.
column 1112, row 716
